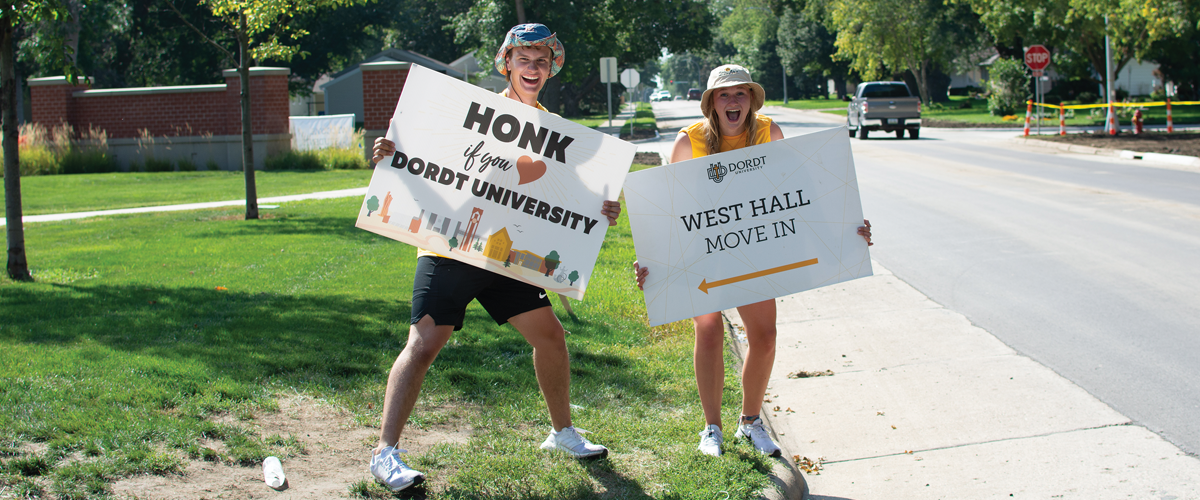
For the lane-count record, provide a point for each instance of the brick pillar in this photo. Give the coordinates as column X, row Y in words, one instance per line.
column 268, row 100
column 52, row 101
column 382, row 84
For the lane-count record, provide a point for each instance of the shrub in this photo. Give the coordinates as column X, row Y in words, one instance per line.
column 153, row 164
column 1088, row 98
column 1008, row 85
column 186, row 165
column 88, row 162
column 49, row 151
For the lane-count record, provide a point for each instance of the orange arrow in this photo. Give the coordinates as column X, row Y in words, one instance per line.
column 705, row 285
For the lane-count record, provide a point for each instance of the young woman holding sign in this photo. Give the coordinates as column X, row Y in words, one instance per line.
column 731, row 122
column 442, row 288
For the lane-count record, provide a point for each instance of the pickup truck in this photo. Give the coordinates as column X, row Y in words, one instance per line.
column 886, row 106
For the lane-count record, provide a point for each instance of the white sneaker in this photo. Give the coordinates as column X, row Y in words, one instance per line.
column 387, row 467
column 710, row 441
column 758, row 435
column 570, row 442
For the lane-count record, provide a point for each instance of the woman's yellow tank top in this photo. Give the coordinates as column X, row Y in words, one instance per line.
column 695, row 133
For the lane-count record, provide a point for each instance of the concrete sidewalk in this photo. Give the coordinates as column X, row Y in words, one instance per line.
column 922, row 404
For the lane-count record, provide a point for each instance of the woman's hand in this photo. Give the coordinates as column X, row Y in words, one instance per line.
column 640, row 274
column 865, row 231
column 383, row 148
column 612, row 210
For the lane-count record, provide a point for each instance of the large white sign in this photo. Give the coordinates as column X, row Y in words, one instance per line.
column 494, row 183
column 747, row 225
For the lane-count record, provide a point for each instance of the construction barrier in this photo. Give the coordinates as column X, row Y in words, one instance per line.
column 1110, row 125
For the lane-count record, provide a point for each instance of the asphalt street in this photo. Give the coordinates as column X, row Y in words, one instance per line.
column 1085, row 264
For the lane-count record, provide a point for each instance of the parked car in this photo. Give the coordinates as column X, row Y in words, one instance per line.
column 886, row 106
column 694, row 94
column 661, row 95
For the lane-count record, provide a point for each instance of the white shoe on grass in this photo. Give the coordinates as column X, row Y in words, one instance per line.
column 710, row 441
column 759, row 437
column 570, row 442
column 390, row 470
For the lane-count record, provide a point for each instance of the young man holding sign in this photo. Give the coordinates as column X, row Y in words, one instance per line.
column 443, row 287
column 731, row 122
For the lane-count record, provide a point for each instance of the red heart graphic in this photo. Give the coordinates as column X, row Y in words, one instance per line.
column 530, row 170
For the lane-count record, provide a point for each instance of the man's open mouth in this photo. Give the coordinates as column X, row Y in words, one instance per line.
column 530, row 81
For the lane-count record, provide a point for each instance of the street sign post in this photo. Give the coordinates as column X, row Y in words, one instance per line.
column 630, row 79
column 608, row 74
column 1037, row 57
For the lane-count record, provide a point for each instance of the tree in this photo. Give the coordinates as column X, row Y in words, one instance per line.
column 1079, row 26
column 633, row 31
column 900, row 35
column 262, row 30
column 574, row 276
column 806, row 45
column 372, row 205
column 14, row 13
column 551, row 261
column 453, row 242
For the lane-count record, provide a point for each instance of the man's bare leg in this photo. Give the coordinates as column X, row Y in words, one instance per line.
column 425, row 341
column 545, row 334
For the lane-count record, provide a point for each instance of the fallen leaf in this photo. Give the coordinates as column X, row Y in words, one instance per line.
column 879, row 413
column 810, row 466
column 893, row 427
column 222, row 288
column 808, row 374
column 776, row 408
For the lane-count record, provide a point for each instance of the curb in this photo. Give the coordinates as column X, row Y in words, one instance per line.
column 1188, row 161
column 787, row 483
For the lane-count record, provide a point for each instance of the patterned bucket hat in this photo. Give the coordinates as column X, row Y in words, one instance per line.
column 730, row 75
column 531, row 35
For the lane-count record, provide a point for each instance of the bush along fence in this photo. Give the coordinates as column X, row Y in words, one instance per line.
column 1111, row 123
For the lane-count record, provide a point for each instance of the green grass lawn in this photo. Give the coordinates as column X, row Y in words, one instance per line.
column 594, row 121
column 809, row 104
column 146, row 334
column 48, row 194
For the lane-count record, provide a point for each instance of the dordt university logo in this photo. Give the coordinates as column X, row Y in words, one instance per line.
column 717, row 171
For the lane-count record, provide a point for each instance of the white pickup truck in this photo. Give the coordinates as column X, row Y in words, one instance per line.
column 886, row 106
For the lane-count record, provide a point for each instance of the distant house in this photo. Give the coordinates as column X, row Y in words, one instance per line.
column 1137, row 77
column 472, row 67
column 343, row 94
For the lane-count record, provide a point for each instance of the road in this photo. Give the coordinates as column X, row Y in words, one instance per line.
column 1088, row 265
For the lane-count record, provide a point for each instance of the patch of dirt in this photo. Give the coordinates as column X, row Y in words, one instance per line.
column 647, row 158
column 1151, row 142
column 935, row 123
column 336, row 456
column 242, row 216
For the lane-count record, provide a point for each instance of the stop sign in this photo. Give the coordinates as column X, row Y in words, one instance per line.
column 1037, row 57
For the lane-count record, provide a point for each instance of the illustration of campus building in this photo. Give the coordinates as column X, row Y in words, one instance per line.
column 498, row 246
column 468, row 238
column 527, row 259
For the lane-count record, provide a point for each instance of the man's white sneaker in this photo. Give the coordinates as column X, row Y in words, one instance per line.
column 759, row 437
column 710, row 441
column 570, row 442
column 390, row 470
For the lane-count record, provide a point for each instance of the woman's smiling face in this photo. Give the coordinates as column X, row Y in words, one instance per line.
column 528, row 70
column 732, row 104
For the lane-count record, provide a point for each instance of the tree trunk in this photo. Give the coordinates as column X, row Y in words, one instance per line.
column 551, row 97
column 18, row 267
column 922, row 76
column 72, row 29
column 247, row 125
column 520, row 12
column 839, row 81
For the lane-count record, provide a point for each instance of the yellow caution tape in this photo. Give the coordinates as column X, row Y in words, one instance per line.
column 1115, row 104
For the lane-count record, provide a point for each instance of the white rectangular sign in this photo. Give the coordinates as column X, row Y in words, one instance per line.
column 494, row 183
column 747, row 225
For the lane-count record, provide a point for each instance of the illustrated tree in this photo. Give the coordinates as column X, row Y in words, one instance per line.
column 574, row 276
column 263, row 31
column 372, row 205
column 453, row 242
column 552, row 262
column 15, row 14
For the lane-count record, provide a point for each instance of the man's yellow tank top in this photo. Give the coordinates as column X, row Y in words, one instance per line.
column 421, row 252
column 695, row 133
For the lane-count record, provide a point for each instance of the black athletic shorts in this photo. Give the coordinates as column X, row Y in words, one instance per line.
column 443, row 287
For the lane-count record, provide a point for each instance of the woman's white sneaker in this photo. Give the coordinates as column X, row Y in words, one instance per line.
column 390, row 470
column 759, row 437
column 710, row 440
column 570, row 442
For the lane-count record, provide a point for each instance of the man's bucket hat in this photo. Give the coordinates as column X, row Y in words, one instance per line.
column 730, row 75
column 531, row 35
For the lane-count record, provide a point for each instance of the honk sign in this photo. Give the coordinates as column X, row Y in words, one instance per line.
column 494, row 183
column 747, row 225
